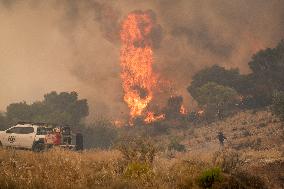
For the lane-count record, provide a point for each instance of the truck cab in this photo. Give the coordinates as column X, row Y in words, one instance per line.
column 25, row 136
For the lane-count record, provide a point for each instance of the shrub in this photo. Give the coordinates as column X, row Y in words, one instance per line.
column 209, row 177
column 227, row 160
column 137, row 150
column 246, row 180
column 241, row 180
column 252, row 143
column 101, row 134
column 183, row 174
column 138, row 171
column 278, row 104
column 175, row 145
column 157, row 128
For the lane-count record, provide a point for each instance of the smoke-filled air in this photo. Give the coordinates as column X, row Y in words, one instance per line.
column 130, row 94
column 78, row 46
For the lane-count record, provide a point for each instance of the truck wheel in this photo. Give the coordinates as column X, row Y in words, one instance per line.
column 38, row 147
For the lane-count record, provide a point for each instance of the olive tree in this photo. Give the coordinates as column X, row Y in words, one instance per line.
column 217, row 99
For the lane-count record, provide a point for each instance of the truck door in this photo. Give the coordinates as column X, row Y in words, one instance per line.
column 10, row 137
column 25, row 137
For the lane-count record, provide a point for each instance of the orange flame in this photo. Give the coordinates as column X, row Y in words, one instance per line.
column 151, row 117
column 182, row 110
column 136, row 59
column 200, row 112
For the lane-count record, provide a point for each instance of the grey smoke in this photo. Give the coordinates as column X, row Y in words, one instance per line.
column 74, row 45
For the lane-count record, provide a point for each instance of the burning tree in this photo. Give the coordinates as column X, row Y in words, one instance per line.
column 139, row 35
column 136, row 59
column 174, row 107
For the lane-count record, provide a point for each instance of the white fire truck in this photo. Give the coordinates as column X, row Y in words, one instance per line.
column 39, row 136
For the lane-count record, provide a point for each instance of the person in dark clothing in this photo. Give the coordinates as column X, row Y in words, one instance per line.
column 221, row 138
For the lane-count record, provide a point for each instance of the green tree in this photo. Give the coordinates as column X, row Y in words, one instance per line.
column 278, row 104
column 269, row 60
column 212, row 93
column 267, row 74
column 3, row 122
column 230, row 78
column 217, row 99
column 175, row 144
column 209, row 177
column 19, row 112
column 257, row 87
column 63, row 108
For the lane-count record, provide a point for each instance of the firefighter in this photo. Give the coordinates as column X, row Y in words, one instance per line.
column 221, row 138
column 57, row 136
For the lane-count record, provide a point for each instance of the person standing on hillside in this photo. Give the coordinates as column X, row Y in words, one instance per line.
column 221, row 138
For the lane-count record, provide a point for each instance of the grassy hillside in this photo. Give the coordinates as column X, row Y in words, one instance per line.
column 244, row 131
column 251, row 158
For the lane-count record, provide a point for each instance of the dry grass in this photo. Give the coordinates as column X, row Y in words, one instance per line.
column 248, row 167
column 58, row 169
column 107, row 169
column 92, row 169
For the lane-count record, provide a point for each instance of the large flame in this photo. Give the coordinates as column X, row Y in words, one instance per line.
column 136, row 59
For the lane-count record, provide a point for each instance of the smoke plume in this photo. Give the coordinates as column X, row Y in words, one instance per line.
column 67, row 45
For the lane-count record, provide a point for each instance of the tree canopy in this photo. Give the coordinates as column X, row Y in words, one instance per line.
column 257, row 87
column 3, row 121
column 216, row 74
column 62, row 108
column 267, row 74
column 217, row 100
column 268, row 60
column 219, row 95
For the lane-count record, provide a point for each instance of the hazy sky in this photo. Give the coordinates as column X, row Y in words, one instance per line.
column 69, row 45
